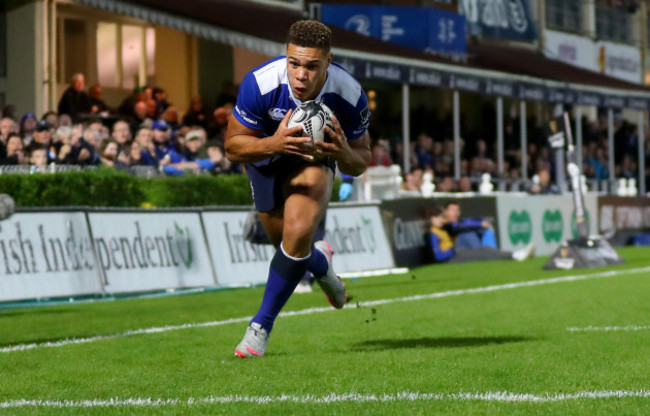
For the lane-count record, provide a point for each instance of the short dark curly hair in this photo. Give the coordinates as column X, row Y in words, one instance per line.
column 310, row 34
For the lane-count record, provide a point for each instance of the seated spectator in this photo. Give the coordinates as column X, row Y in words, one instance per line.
column 97, row 105
column 43, row 138
column 38, row 158
column 160, row 95
column 464, row 184
column 121, row 133
column 220, row 123
column 200, row 133
column 109, row 151
column 15, row 151
column 128, row 104
column 185, row 146
column 84, row 145
column 482, row 150
column 380, row 157
column 413, row 181
column 177, row 162
column 186, row 150
column 446, row 184
column 197, row 114
column 468, row 232
column 140, row 114
column 627, row 168
column 27, row 127
column 7, row 126
column 134, row 153
column 444, row 246
column 144, row 140
column 63, row 138
column 152, row 110
column 52, row 119
column 74, row 101
column 544, row 187
column 424, row 151
column 170, row 116
column 215, row 163
column 65, row 120
column 161, row 134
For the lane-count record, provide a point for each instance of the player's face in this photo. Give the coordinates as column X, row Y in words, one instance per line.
column 307, row 70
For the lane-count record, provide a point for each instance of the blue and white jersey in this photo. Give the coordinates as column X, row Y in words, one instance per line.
column 265, row 97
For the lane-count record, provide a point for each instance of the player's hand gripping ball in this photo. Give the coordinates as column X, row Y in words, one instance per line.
column 312, row 116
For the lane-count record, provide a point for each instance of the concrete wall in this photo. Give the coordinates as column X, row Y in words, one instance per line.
column 176, row 66
column 215, row 67
column 244, row 61
column 24, row 85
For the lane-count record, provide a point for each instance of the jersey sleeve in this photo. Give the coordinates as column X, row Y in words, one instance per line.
column 357, row 120
column 249, row 109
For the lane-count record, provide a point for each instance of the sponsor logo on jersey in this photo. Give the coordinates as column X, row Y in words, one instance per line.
column 243, row 115
column 365, row 118
column 277, row 113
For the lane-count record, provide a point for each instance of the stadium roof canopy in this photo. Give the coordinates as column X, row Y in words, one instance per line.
column 490, row 68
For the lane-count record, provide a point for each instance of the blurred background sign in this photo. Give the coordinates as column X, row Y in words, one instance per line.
column 504, row 19
column 427, row 29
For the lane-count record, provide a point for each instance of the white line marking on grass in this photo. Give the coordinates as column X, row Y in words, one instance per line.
column 499, row 396
column 608, row 328
column 168, row 328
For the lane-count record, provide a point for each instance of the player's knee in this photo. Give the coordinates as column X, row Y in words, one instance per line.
column 298, row 226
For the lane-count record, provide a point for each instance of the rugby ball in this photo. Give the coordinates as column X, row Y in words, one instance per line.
column 312, row 116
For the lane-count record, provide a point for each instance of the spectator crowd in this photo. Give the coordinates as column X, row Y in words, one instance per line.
column 147, row 133
column 434, row 155
column 143, row 134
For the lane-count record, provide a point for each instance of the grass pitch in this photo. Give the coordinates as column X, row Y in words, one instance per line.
column 506, row 350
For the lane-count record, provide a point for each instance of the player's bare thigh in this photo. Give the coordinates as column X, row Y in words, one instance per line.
column 308, row 193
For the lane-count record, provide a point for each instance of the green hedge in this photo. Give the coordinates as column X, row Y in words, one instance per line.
column 110, row 188
column 194, row 191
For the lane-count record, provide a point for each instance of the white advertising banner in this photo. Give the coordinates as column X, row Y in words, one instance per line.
column 544, row 220
column 571, row 49
column 356, row 234
column 619, row 61
column 46, row 255
column 140, row 251
column 237, row 262
column 612, row 59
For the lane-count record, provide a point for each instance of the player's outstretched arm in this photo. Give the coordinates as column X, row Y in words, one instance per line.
column 243, row 145
column 353, row 156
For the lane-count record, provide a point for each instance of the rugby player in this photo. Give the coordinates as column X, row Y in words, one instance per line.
column 291, row 181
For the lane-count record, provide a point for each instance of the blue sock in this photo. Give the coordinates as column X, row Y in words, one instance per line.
column 284, row 274
column 317, row 263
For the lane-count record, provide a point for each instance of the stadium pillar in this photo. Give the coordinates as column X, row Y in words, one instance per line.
column 560, row 165
column 406, row 128
column 578, row 123
column 610, row 142
column 500, row 136
column 524, row 139
column 456, row 135
column 641, row 139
